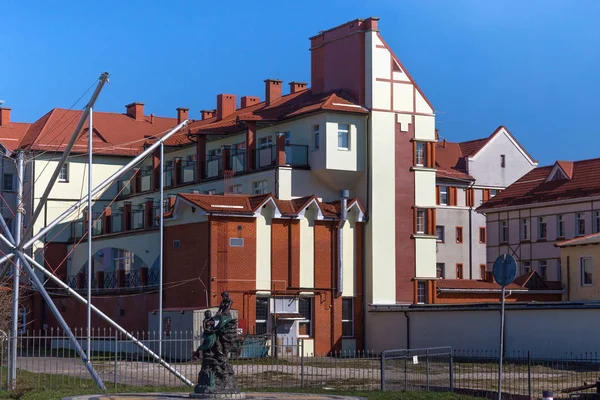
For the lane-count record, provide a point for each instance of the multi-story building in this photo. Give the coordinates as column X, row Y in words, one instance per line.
column 468, row 174
column 548, row 205
column 581, row 259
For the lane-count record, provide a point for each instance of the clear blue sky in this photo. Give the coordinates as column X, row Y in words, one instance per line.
column 532, row 65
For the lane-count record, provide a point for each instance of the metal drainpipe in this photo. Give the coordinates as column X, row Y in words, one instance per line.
column 344, row 194
column 407, row 329
column 364, row 237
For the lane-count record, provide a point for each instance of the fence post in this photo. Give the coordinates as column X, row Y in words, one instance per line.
column 529, row 373
column 406, row 371
column 427, row 367
column 116, row 356
column 383, row 371
column 451, row 371
column 301, row 363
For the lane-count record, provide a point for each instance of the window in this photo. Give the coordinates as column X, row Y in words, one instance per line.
column 236, row 189
column 482, row 234
column 586, row 271
column 526, row 265
column 348, row 317
column 440, row 269
column 524, row 229
column 493, row 192
column 63, row 176
column 8, row 183
column 316, row 140
column 482, row 270
column 236, row 242
column 288, row 138
column 262, row 315
column 444, row 195
column 560, row 226
column 176, row 244
column 420, row 154
column 265, row 141
column 503, row 231
column 596, row 221
column 441, row 235
column 502, row 161
column 259, row 187
column 580, row 224
column 343, row 136
column 305, row 309
column 542, row 231
column 459, row 234
column 122, row 260
column 459, row 271
column 210, row 191
column 421, row 221
column 421, row 292
column 543, row 264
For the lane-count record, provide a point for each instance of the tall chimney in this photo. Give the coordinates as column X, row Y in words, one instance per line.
column 135, row 111
column 297, row 86
column 225, row 105
column 272, row 90
column 4, row 116
column 182, row 114
column 248, row 101
column 206, row 114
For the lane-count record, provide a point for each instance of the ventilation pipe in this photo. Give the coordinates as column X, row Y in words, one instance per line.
column 344, row 194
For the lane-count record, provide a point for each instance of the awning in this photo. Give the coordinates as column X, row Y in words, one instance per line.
column 289, row 316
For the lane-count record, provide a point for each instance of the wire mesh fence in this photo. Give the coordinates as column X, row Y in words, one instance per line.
column 48, row 360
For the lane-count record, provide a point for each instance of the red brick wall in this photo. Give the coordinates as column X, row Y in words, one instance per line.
column 54, row 254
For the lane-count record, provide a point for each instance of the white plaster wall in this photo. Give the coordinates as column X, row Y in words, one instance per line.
column 307, row 248
column 341, row 159
column 349, row 263
column 403, row 96
column 424, row 127
column 305, row 183
column 450, row 253
column 425, row 257
column 263, row 249
column 425, row 188
column 485, row 165
column 421, row 104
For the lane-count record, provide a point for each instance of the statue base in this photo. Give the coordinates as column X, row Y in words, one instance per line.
column 218, row 395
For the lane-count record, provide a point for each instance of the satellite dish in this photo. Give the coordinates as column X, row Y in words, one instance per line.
column 505, row 270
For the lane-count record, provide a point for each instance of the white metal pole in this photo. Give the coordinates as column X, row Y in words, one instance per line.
column 105, row 317
column 160, row 261
column 17, row 271
column 89, row 243
column 103, row 185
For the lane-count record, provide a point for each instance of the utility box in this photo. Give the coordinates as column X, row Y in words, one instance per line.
column 182, row 331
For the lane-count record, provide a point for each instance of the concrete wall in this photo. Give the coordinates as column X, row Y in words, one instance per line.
column 545, row 332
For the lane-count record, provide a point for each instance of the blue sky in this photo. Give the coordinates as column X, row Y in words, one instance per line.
column 530, row 65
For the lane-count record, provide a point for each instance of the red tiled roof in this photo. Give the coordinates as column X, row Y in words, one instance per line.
column 450, row 162
column 12, row 133
column 532, row 188
column 592, row 238
column 472, row 147
column 473, row 284
column 289, row 106
column 114, row 133
column 567, row 167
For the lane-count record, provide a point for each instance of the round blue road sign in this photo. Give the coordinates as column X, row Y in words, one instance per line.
column 505, row 270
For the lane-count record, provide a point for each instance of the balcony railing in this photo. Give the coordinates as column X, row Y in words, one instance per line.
column 214, row 167
column 265, row 157
column 146, row 179
column 110, row 280
column 136, row 278
column 188, row 172
column 296, row 155
column 124, row 187
column 169, row 175
column 237, row 160
column 117, row 222
column 137, row 219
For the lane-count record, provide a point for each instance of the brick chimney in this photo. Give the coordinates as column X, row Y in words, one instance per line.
column 206, row 114
column 248, row 101
column 182, row 114
column 272, row 90
column 225, row 105
column 135, row 111
column 4, row 116
column 297, row 86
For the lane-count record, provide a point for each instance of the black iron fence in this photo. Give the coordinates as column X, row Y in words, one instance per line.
column 47, row 360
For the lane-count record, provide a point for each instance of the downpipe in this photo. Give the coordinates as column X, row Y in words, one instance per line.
column 344, row 194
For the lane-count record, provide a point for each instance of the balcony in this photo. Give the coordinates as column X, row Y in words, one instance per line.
column 120, row 279
column 116, row 223
column 188, row 172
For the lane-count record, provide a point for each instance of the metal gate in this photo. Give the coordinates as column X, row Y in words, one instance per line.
column 417, row 369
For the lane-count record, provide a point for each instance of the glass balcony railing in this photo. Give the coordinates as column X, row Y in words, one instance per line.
column 117, row 222
column 124, row 187
column 265, row 157
column 169, row 176
column 213, row 167
column 237, row 161
column 137, row 219
column 296, row 155
column 188, row 172
column 146, row 179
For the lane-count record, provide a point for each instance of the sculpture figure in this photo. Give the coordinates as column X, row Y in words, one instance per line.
column 220, row 332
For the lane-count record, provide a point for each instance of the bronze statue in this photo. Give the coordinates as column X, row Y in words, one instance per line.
column 218, row 338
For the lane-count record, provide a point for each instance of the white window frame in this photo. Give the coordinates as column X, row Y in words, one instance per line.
column 343, row 132
column 560, row 226
column 11, row 179
column 63, row 176
column 124, row 258
column 316, row 133
column 525, row 231
column 493, row 193
column 236, row 242
column 526, row 265
column 543, row 267
column 542, row 222
column 421, row 287
column 259, row 187
column 420, row 154
column 443, row 195
column 421, row 224
column 504, row 231
column 582, row 270
column 263, row 321
column 309, row 321
column 349, row 300
column 442, row 269
column 579, row 222
column 237, row 189
column 210, row 191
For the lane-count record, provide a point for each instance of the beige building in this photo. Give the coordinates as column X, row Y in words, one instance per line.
column 580, row 258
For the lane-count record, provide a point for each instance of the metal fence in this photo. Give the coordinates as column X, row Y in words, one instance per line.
column 47, row 360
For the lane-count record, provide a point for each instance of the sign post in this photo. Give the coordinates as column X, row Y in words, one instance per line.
column 505, row 272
